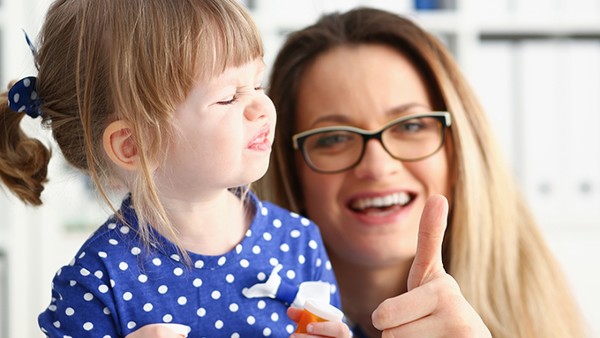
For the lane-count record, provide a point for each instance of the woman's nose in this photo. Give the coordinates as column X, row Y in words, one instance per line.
column 376, row 162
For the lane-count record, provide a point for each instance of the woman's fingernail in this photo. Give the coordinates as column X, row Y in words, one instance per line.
column 309, row 328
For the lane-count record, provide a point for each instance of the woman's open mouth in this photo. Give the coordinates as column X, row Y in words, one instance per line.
column 381, row 203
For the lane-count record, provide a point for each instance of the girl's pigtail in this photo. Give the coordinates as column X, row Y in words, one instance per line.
column 23, row 159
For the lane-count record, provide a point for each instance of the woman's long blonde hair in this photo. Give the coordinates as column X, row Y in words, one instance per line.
column 493, row 247
column 134, row 60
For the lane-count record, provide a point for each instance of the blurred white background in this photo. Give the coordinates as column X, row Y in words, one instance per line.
column 534, row 63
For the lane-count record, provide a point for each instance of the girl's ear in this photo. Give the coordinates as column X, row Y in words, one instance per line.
column 120, row 146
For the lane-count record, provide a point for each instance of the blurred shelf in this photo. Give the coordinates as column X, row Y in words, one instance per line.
column 518, row 28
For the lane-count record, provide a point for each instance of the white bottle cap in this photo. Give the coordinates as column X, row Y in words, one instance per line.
column 323, row 310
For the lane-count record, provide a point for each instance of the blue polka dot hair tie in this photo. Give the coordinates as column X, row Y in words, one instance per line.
column 23, row 97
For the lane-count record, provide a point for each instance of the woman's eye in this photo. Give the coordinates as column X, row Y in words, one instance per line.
column 411, row 126
column 332, row 139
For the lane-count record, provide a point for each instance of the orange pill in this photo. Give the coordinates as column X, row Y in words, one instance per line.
column 315, row 311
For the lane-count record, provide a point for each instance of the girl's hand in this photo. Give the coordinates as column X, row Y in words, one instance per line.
column 434, row 305
column 319, row 329
column 155, row 331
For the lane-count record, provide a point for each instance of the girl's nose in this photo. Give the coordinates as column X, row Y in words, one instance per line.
column 376, row 162
column 260, row 106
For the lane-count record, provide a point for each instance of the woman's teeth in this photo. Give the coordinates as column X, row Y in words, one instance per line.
column 400, row 198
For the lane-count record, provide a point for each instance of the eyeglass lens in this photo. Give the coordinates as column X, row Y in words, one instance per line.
column 407, row 140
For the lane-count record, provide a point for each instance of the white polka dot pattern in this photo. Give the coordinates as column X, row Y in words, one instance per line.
column 116, row 285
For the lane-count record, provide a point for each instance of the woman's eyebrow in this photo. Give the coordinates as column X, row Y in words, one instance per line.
column 330, row 119
column 407, row 108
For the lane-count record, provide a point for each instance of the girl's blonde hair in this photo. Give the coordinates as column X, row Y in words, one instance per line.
column 492, row 247
column 105, row 60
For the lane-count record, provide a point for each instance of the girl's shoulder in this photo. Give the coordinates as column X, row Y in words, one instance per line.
column 115, row 237
column 271, row 210
column 286, row 226
column 279, row 216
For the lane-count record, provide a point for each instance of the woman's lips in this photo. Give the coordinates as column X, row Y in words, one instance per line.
column 381, row 209
column 399, row 198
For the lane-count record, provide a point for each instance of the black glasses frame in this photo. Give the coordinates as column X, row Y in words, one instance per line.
column 298, row 139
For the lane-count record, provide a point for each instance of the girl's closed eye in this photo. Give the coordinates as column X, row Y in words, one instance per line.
column 234, row 98
column 228, row 101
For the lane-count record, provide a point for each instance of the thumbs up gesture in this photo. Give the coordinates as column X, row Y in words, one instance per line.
column 434, row 305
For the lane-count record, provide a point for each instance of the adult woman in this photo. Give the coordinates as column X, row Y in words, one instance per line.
column 370, row 74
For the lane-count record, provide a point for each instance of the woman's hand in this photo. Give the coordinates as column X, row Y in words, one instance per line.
column 155, row 331
column 319, row 329
column 434, row 305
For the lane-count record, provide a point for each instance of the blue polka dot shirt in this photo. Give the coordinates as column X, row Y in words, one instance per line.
column 116, row 284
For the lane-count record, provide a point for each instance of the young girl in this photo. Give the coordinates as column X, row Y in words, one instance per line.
column 164, row 96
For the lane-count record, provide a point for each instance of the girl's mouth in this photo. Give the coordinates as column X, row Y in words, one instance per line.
column 261, row 140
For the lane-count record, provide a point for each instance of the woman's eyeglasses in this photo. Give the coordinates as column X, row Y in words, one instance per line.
column 409, row 138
